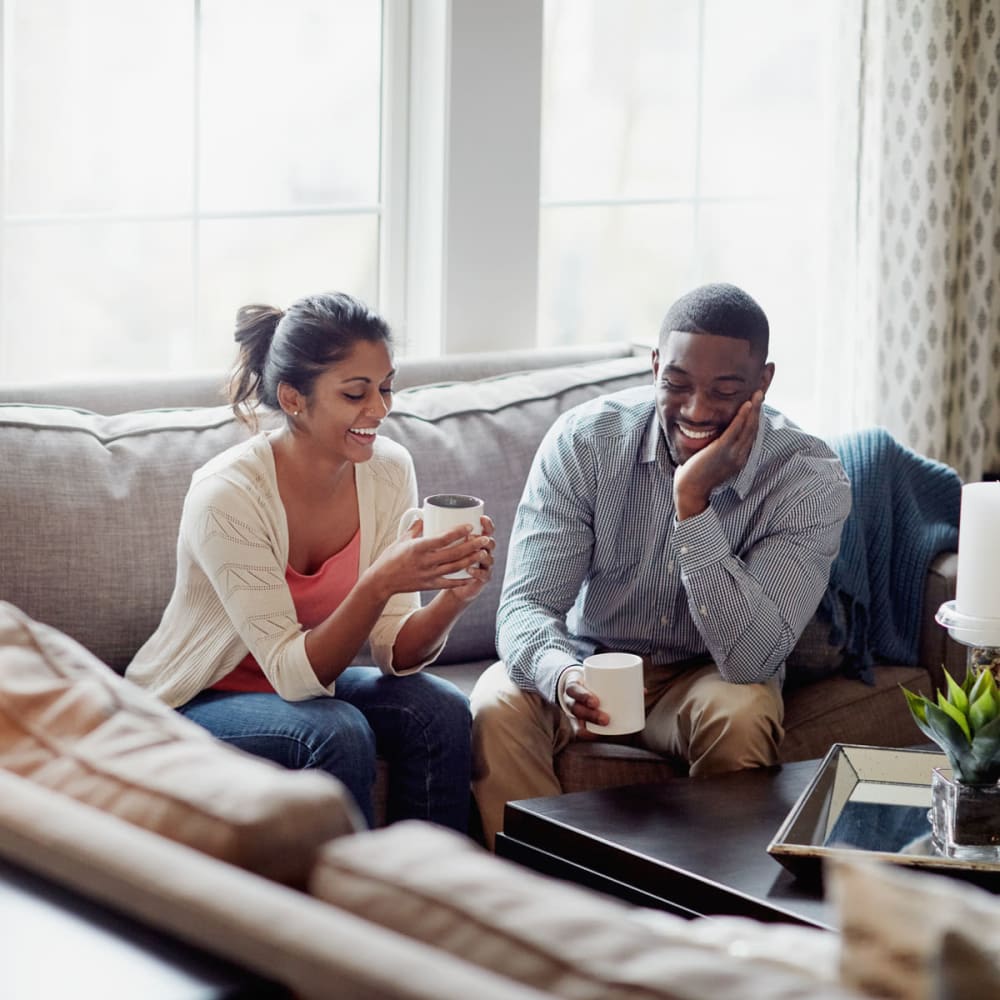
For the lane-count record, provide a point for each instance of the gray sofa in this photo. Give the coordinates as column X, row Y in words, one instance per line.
column 90, row 519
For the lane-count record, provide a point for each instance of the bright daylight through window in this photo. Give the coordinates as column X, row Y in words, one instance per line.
column 684, row 142
column 165, row 163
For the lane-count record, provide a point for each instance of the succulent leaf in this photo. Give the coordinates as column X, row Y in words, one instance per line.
column 986, row 753
column 982, row 711
column 917, row 703
column 953, row 713
column 956, row 694
column 949, row 735
column 983, row 682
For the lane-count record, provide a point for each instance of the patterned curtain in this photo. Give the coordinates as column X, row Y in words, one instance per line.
column 913, row 307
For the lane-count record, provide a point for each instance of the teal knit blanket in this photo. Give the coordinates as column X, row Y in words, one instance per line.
column 904, row 512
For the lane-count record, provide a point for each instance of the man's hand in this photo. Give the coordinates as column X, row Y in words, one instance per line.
column 718, row 462
column 586, row 707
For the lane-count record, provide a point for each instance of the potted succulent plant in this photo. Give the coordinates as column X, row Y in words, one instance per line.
column 965, row 724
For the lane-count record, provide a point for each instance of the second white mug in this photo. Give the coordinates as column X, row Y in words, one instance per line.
column 616, row 678
column 443, row 511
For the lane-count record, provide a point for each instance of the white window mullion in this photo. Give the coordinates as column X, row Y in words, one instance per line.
column 394, row 167
column 492, row 191
column 475, row 80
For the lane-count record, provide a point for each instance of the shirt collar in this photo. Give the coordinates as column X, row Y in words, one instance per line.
column 654, row 446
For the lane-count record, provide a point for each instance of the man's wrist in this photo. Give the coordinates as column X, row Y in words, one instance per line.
column 574, row 672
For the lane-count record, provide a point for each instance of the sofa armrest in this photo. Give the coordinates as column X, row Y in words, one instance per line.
column 938, row 651
column 276, row 931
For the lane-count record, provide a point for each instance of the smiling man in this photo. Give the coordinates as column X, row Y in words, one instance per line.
column 685, row 522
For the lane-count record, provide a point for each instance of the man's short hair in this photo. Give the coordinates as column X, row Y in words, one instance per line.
column 722, row 309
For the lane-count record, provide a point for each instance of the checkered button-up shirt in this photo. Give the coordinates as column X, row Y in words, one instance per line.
column 598, row 559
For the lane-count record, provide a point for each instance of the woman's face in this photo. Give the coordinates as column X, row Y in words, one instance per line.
column 348, row 403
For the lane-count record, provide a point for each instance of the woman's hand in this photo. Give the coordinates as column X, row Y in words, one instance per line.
column 480, row 571
column 414, row 563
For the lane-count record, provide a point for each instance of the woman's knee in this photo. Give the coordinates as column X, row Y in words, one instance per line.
column 440, row 704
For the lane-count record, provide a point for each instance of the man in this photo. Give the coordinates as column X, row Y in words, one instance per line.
column 684, row 522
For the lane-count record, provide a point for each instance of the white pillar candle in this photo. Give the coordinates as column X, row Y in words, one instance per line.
column 977, row 590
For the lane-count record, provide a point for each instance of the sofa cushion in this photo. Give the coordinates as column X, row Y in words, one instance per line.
column 440, row 888
column 90, row 514
column 841, row 710
column 71, row 724
column 911, row 935
column 480, row 437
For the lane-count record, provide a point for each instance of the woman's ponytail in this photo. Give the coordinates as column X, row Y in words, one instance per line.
column 255, row 326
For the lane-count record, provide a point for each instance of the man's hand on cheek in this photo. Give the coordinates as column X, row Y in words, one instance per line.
column 717, row 462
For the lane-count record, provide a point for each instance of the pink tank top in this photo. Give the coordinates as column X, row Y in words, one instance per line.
column 315, row 596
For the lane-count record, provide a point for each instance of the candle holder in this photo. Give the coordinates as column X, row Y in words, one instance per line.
column 980, row 636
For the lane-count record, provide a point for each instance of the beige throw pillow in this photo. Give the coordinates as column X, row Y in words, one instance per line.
column 440, row 888
column 909, row 935
column 70, row 723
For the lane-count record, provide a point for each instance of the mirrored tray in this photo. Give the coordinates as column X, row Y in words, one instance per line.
column 874, row 800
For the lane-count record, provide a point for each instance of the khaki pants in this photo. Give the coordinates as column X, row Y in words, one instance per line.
column 691, row 712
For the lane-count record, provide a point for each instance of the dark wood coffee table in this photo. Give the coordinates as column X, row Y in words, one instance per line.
column 691, row 847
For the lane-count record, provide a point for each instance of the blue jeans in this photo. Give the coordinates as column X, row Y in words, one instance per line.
column 420, row 724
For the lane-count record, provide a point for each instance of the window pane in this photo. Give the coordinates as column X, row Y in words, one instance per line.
column 763, row 122
column 290, row 103
column 611, row 273
column 770, row 250
column 97, row 111
column 94, row 298
column 619, row 93
column 275, row 261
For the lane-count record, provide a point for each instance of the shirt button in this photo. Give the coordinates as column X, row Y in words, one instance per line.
column 664, row 620
column 703, row 610
column 670, row 566
column 684, row 550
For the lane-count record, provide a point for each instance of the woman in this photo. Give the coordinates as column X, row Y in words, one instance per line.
column 290, row 558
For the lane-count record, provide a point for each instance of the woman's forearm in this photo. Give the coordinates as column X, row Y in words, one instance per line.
column 425, row 630
column 333, row 644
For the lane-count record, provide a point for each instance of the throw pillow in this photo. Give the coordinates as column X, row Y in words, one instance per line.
column 71, row 724
column 442, row 889
column 911, row 935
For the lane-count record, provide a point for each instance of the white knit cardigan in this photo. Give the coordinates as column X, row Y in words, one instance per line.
column 230, row 594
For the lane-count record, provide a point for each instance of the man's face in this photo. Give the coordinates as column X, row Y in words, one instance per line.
column 701, row 381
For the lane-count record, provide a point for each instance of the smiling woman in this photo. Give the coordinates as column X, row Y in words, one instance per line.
column 291, row 557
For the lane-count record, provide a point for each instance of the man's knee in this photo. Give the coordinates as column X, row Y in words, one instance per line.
column 498, row 703
column 737, row 729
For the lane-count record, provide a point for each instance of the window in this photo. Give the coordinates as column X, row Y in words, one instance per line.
column 684, row 142
column 164, row 163
column 489, row 175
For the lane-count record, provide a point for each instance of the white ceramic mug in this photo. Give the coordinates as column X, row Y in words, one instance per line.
column 616, row 678
column 443, row 511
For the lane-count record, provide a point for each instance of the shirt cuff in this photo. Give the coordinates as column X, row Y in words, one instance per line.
column 574, row 672
column 549, row 668
column 701, row 541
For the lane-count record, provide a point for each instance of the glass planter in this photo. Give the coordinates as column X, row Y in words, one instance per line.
column 965, row 819
column 984, row 658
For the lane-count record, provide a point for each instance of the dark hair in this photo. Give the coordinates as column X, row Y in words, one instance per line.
column 722, row 309
column 296, row 346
